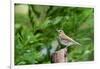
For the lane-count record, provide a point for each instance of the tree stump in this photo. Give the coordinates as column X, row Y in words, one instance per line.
column 59, row 56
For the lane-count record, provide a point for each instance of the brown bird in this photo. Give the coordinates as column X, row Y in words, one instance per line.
column 65, row 40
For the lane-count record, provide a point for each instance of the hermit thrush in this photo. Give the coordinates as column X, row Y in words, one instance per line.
column 64, row 40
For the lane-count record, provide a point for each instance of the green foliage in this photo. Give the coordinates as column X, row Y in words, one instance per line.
column 35, row 31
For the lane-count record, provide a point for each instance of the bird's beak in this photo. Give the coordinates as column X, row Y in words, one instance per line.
column 57, row 30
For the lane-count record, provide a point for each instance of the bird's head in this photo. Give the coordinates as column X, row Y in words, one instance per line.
column 60, row 31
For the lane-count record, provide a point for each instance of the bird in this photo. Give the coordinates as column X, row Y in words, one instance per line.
column 65, row 40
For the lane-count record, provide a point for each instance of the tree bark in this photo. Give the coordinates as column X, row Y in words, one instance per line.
column 59, row 56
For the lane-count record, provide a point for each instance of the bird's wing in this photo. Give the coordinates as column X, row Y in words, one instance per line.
column 65, row 38
column 65, row 42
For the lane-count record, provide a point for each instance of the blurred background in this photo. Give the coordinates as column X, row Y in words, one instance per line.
column 35, row 32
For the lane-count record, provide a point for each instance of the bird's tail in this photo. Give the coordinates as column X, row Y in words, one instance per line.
column 77, row 43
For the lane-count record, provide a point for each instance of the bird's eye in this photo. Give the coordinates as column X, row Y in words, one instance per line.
column 59, row 30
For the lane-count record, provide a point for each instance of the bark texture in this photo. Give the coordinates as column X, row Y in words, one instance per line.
column 59, row 56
